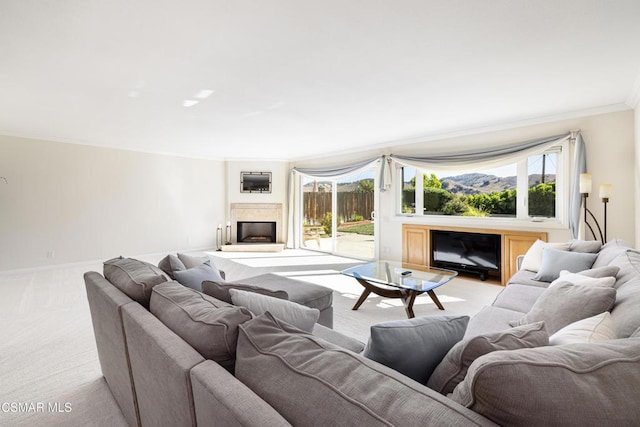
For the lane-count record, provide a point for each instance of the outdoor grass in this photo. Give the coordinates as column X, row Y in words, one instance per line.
column 366, row 229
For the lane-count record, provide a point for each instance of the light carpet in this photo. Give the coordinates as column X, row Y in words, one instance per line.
column 48, row 358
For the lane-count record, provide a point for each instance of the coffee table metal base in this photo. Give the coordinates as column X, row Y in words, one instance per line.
column 408, row 296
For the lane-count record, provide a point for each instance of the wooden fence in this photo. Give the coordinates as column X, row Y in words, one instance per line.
column 316, row 205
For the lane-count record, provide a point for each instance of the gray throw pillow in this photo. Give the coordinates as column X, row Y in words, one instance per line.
column 193, row 277
column 554, row 261
column 414, row 347
column 300, row 316
column 191, row 261
column 566, row 303
column 133, row 277
column 220, row 290
column 171, row 263
column 207, row 324
column 453, row 368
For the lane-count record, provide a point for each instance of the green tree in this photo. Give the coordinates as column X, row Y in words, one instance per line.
column 428, row 181
column 542, row 200
column 365, row 186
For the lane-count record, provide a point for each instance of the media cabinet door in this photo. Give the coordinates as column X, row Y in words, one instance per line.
column 415, row 245
column 515, row 244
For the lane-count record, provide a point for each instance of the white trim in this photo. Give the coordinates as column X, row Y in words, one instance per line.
column 633, row 100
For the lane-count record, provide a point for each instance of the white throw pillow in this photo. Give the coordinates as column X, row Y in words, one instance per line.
column 585, row 331
column 533, row 258
column 579, row 279
column 300, row 316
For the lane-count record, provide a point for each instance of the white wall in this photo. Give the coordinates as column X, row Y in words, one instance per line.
column 637, row 174
column 609, row 140
column 67, row 203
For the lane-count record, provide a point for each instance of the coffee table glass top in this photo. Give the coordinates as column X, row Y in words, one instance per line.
column 401, row 275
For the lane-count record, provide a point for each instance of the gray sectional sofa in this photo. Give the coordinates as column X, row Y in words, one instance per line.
column 152, row 338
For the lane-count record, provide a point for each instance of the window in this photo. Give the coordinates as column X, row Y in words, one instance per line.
column 524, row 190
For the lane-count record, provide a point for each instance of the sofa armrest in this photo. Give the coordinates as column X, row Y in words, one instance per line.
column 221, row 399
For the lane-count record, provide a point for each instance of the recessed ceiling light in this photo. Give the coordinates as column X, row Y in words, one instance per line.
column 189, row 102
column 204, row 93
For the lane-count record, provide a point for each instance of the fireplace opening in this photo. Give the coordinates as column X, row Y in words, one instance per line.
column 256, row 232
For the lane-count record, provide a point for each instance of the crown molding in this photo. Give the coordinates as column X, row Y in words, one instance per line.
column 633, row 100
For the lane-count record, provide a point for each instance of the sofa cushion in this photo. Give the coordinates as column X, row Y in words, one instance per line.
column 133, row 277
column 335, row 337
column 171, row 263
column 566, row 303
column 609, row 251
column 626, row 313
column 453, row 368
column 525, row 277
column 490, row 319
column 591, row 329
column 210, row 326
column 518, row 297
column 300, row 316
column 194, row 276
column 314, row 383
column 586, row 246
column 414, row 347
column 220, row 290
column 533, row 258
column 629, row 264
column 554, row 261
column 577, row 384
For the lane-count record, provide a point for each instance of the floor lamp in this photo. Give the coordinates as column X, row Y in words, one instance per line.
column 585, row 189
column 605, row 193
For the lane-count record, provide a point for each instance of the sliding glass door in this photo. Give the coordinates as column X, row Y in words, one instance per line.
column 338, row 215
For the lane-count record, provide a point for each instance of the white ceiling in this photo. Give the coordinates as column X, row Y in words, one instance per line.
column 297, row 79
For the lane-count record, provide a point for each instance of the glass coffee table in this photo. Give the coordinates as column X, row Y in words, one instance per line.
column 392, row 279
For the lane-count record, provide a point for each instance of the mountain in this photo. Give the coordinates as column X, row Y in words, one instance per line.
column 476, row 183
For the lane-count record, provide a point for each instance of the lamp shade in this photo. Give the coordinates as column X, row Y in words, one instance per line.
column 605, row 191
column 585, row 183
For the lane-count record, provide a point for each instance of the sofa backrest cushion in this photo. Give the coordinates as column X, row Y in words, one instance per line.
column 210, row 326
column 629, row 264
column 577, row 384
column 566, row 303
column 133, row 277
column 609, row 251
column 312, row 382
column 453, row 368
column 587, row 246
column 626, row 311
column 414, row 347
column 220, row 290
